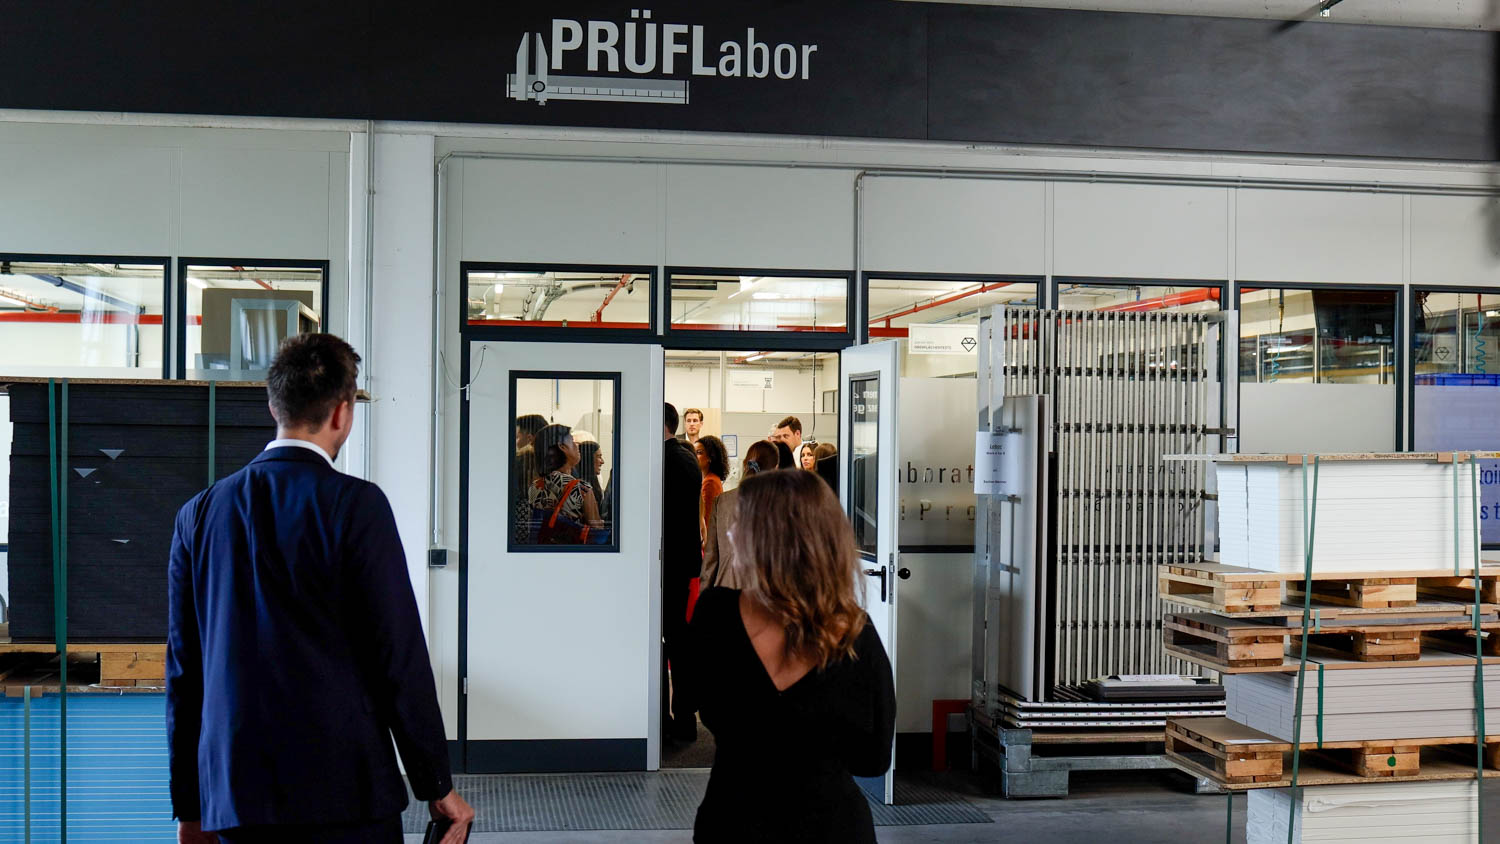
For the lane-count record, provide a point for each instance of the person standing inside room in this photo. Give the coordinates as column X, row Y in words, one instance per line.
column 713, row 463
column 718, row 552
column 789, row 431
column 557, row 491
column 526, row 428
column 294, row 649
column 785, row 459
column 827, row 465
column 682, row 558
column 809, row 456
column 791, row 677
column 692, row 425
column 590, row 464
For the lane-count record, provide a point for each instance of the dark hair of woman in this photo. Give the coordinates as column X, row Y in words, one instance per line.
column 549, row 457
column 718, row 455
column 762, row 454
column 784, row 457
column 806, row 579
column 587, row 451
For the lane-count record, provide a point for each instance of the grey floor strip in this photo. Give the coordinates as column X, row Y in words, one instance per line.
column 662, row 800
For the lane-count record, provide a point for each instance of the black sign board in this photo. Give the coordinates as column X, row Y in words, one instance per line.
column 875, row 69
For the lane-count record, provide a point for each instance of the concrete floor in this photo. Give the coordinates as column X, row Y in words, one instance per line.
column 1131, row 808
column 1128, row 808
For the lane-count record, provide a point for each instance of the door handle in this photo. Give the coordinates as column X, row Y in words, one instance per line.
column 904, row 573
column 880, row 573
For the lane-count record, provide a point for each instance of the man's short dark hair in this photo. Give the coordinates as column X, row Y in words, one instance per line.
column 690, row 411
column 791, row 422
column 312, row 373
column 531, row 423
column 669, row 417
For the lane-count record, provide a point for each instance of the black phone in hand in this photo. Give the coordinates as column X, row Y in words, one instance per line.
column 436, row 829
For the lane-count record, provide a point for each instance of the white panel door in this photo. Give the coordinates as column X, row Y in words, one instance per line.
column 869, row 461
column 564, row 641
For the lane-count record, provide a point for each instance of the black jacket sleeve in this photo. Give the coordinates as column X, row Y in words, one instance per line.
column 868, row 742
column 398, row 668
column 184, row 673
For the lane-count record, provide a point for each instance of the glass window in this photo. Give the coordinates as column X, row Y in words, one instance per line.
column 237, row 316
column 864, row 463
column 1456, row 398
column 69, row 319
column 759, row 303
column 895, row 304
column 741, row 397
column 1317, row 369
column 563, row 460
column 1125, row 296
column 618, row 299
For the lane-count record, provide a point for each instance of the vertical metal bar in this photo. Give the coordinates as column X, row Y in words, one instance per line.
column 61, row 588
column 1067, row 437
column 1140, row 431
column 212, row 418
column 26, row 751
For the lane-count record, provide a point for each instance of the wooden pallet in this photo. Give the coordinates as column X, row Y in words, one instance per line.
column 1240, row 645
column 1246, row 593
column 126, row 665
column 1238, row 757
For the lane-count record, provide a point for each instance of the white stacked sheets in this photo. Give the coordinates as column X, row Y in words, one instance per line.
column 1386, row 813
column 1361, row 704
column 1375, row 515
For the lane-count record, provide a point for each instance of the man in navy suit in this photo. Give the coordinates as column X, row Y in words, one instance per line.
column 294, row 651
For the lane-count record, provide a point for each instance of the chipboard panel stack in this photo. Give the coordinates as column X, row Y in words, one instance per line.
column 1404, row 813
column 1376, row 515
column 1386, row 741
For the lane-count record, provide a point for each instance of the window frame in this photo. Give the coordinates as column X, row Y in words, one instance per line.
column 801, row 341
column 1409, row 383
column 166, row 287
column 865, row 277
column 511, row 546
column 230, row 263
column 500, row 332
column 1399, row 341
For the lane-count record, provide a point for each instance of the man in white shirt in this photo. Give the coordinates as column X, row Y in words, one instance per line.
column 789, row 431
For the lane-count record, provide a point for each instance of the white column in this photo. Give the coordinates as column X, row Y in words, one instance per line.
column 399, row 351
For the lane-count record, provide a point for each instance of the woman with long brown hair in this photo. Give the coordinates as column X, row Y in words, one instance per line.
column 791, row 678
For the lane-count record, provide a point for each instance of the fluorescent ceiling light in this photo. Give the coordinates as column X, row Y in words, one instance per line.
column 499, row 288
column 198, row 283
column 765, row 295
column 757, row 356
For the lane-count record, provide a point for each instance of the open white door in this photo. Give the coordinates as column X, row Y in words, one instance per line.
column 558, row 618
column 868, row 469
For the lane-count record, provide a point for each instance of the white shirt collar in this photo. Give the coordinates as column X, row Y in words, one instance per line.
column 307, row 444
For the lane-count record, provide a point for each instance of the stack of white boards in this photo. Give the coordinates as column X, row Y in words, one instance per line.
column 1445, row 812
column 1372, row 515
column 1365, row 704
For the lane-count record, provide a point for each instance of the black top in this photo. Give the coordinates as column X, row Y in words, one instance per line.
column 782, row 770
column 682, row 483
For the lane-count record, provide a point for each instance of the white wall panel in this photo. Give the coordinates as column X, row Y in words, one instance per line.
column 954, row 226
column 255, row 203
column 759, row 217
column 560, row 213
column 1311, row 418
column 86, row 199
column 1455, row 240
column 1319, row 237
column 1145, row 231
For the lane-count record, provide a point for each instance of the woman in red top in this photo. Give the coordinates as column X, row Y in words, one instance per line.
column 713, row 461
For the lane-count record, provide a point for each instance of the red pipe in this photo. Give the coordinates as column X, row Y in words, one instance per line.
column 1171, row 300
column 91, row 318
column 599, row 314
column 943, row 301
column 556, row 323
column 256, row 280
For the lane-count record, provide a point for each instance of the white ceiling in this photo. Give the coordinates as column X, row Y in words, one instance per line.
column 1447, row 14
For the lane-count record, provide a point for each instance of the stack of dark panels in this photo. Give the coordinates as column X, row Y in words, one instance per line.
column 136, row 453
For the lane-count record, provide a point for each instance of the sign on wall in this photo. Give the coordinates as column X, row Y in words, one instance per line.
column 753, row 379
column 845, row 68
column 942, row 339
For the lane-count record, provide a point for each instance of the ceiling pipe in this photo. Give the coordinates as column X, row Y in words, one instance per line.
column 624, row 281
column 1171, row 300
column 87, row 292
column 944, row 300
